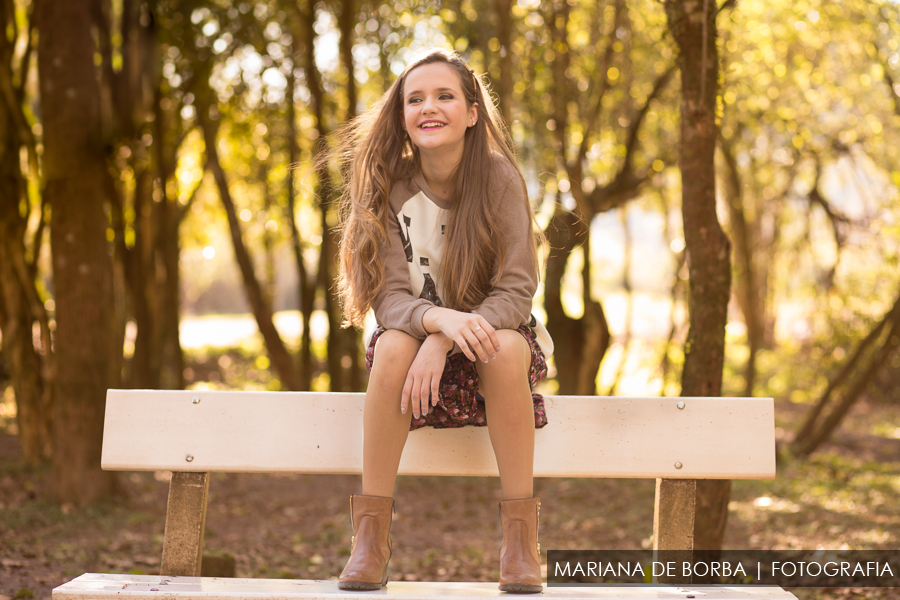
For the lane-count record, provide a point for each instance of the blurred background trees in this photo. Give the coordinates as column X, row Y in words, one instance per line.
column 162, row 224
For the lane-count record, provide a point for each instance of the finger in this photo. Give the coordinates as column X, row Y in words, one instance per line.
column 487, row 346
column 476, row 345
column 424, row 398
column 435, row 389
column 464, row 346
column 493, row 338
column 415, row 397
column 404, row 396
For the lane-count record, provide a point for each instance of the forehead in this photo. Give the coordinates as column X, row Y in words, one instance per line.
column 431, row 76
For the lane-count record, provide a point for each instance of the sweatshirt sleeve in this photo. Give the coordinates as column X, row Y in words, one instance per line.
column 395, row 306
column 509, row 304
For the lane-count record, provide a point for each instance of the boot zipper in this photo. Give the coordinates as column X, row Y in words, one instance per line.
column 352, row 537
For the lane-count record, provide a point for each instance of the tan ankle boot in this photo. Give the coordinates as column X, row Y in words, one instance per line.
column 520, row 558
column 370, row 550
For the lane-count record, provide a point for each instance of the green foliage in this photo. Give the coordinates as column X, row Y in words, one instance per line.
column 803, row 92
column 809, row 114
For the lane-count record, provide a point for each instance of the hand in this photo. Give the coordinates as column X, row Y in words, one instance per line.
column 471, row 332
column 424, row 375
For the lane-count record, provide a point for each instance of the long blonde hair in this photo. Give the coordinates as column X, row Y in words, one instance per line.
column 376, row 152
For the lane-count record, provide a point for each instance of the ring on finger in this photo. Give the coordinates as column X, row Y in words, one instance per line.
column 477, row 329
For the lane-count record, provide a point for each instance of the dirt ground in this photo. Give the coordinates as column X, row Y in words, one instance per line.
column 297, row 526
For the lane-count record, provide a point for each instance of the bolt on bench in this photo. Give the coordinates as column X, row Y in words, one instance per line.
column 674, row 440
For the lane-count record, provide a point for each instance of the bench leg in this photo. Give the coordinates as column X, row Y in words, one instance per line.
column 185, row 523
column 673, row 525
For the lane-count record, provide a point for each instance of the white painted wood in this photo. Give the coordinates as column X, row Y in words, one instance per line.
column 712, row 438
column 92, row 586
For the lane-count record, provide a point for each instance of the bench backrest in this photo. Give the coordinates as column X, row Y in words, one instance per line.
column 309, row 432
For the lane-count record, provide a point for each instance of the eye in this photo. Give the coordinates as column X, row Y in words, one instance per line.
column 446, row 96
column 413, row 100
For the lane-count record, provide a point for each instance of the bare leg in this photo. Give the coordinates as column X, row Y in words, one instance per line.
column 385, row 428
column 503, row 382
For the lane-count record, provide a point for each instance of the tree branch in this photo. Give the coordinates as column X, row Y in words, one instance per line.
column 12, row 100
column 104, row 46
column 593, row 113
column 25, row 65
column 893, row 90
column 816, row 197
column 38, row 239
column 726, row 4
column 182, row 210
column 636, row 123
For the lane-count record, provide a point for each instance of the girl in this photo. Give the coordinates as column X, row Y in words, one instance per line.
column 437, row 238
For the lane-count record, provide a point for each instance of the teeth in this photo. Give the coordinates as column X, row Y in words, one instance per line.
column 431, row 126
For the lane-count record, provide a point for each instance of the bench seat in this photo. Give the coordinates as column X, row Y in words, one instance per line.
column 155, row 587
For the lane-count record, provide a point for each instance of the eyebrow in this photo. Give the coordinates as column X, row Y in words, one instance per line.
column 443, row 89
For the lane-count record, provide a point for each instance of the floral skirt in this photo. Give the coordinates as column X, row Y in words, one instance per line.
column 460, row 404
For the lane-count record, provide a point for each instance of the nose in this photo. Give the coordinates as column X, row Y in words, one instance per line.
column 428, row 105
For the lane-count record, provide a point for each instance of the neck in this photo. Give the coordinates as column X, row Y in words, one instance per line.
column 439, row 169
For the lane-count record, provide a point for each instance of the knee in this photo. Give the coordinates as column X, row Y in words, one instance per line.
column 395, row 348
column 514, row 356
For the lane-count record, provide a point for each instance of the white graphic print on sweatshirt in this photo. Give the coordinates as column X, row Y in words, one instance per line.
column 422, row 224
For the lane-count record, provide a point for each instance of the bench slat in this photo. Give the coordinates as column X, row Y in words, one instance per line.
column 91, row 586
column 306, row 432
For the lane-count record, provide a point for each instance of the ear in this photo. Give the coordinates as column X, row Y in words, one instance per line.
column 473, row 114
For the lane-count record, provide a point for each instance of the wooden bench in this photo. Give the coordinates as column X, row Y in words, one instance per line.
column 674, row 440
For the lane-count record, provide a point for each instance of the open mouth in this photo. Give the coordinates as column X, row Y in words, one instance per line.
column 431, row 125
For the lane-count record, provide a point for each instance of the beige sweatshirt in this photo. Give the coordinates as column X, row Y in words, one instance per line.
column 412, row 262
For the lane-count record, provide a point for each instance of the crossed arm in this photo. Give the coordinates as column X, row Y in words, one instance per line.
column 446, row 327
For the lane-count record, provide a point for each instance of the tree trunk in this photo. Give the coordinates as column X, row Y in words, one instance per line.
column 579, row 343
column 693, row 26
column 260, row 303
column 629, row 298
column 18, row 301
column 504, row 36
column 344, row 364
column 322, row 190
column 852, row 380
column 306, row 292
column 168, row 219
column 675, row 294
column 747, row 289
column 88, row 350
column 270, row 270
column 20, row 304
column 129, row 93
column 350, row 339
column 347, row 23
column 596, row 329
column 33, row 411
column 140, row 274
column 172, row 374
column 17, row 306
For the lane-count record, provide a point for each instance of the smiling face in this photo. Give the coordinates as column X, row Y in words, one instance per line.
column 435, row 112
